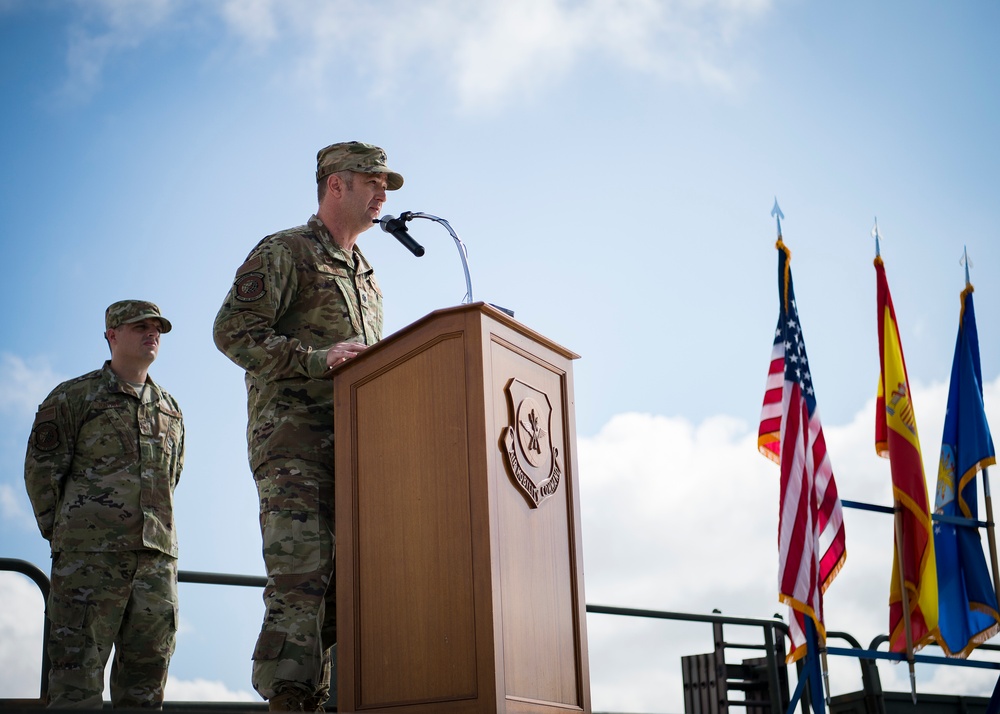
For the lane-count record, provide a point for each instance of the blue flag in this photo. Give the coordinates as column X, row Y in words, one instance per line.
column 967, row 602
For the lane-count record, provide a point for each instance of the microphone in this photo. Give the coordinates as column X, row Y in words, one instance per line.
column 397, row 227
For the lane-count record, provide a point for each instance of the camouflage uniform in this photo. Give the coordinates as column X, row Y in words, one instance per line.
column 297, row 295
column 101, row 467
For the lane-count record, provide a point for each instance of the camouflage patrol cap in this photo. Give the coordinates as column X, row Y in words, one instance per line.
column 355, row 156
column 124, row 312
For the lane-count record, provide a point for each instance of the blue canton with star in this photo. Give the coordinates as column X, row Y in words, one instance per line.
column 796, row 362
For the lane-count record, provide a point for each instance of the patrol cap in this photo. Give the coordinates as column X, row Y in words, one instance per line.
column 355, row 156
column 124, row 312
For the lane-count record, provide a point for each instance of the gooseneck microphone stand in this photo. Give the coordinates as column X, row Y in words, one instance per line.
column 462, row 251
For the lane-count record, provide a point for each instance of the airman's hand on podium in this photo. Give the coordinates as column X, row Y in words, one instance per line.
column 340, row 353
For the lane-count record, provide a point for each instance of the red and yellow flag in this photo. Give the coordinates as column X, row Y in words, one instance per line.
column 896, row 439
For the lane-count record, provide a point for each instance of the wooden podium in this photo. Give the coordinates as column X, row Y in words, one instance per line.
column 458, row 551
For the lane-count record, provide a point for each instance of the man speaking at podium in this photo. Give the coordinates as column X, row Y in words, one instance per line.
column 304, row 302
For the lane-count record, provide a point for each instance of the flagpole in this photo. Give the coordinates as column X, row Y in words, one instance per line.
column 900, row 545
column 820, row 649
column 900, row 550
column 826, row 671
column 815, row 658
column 991, row 531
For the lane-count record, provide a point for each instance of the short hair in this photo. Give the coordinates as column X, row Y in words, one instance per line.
column 346, row 176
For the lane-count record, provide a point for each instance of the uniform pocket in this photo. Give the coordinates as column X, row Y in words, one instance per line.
column 68, row 638
column 290, row 525
column 171, row 427
column 291, row 541
column 269, row 645
column 110, row 435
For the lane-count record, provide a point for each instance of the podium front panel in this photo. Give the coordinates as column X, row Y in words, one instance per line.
column 536, row 540
column 459, row 564
column 415, row 610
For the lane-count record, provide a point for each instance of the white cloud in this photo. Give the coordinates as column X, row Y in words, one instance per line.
column 24, row 384
column 681, row 517
column 204, row 690
column 252, row 20
column 492, row 52
column 13, row 508
column 106, row 29
column 488, row 52
column 21, row 620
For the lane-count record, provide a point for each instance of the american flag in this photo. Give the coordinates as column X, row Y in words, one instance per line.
column 811, row 541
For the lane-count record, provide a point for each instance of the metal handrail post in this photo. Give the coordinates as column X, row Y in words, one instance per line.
column 40, row 579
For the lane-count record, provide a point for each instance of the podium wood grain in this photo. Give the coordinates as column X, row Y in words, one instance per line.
column 457, row 592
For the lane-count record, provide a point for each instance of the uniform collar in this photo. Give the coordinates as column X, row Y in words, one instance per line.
column 354, row 259
column 117, row 385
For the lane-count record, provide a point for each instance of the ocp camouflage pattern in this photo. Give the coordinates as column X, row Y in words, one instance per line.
column 296, row 296
column 300, row 598
column 125, row 599
column 102, row 465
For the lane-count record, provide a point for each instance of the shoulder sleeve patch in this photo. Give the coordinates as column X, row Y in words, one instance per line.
column 249, row 283
column 45, row 435
column 44, row 415
column 249, row 287
column 252, row 264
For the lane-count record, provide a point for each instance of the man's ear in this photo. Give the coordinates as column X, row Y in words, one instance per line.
column 334, row 185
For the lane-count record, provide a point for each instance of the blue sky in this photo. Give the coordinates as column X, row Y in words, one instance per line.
column 610, row 165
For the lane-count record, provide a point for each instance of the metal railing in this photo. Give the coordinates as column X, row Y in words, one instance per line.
column 40, row 579
column 771, row 630
column 773, row 654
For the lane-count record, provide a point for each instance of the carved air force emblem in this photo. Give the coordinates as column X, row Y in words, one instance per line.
column 527, row 443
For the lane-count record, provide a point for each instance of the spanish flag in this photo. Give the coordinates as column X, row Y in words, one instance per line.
column 896, row 439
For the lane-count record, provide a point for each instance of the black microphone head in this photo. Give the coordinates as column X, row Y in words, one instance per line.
column 397, row 228
column 390, row 223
